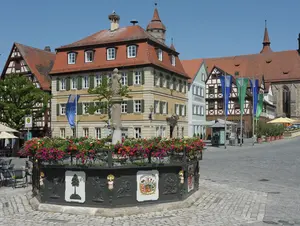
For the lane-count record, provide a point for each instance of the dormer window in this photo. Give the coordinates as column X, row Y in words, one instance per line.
column 160, row 54
column 111, row 54
column 131, row 51
column 89, row 56
column 173, row 60
column 71, row 58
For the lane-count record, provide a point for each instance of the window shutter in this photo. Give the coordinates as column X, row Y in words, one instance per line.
column 143, row 77
column 184, row 110
column 160, row 107
column 180, row 110
column 174, row 84
column 57, row 84
column 79, row 82
column 92, row 81
column 79, row 109
column 68, row 83
column 130, row 106
column 161, row 80
column 57, row 109
column 184, row 87
column 130, row 78
column 142, row 105
column 175, row 112
column 167, row 107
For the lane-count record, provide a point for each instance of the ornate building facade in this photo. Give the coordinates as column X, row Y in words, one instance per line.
column 149, row 67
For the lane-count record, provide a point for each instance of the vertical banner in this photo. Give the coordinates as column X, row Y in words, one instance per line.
column 259, row 105
column 242, row 84
column 255, row 91
column 226, row 82
column 71, row 109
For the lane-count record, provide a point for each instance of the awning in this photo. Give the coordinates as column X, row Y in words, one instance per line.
column 4, row 128
column 281, row 120
column 5, row 135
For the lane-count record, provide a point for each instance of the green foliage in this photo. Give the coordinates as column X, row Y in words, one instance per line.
column 264, row 129
column 19, row 97
column 105, row 93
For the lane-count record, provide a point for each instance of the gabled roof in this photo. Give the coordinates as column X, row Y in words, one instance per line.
column 156, row 23
column 39, row 61
column 123, row 34
column 192, row 67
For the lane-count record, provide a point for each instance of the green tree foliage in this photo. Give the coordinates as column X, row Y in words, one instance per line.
column 19, row 97
column 104, row 93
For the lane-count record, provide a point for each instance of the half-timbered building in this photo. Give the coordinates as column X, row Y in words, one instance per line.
column 35, row 64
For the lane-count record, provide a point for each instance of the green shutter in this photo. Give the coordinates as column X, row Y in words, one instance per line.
column 57, row 84
column 79, row 109
column 160, row 107
column 161, row 80
column 79, row 83
column 143, row 77
column 167, row 107
column 180, row 110
column 130, row 106
column 130, row 78
column 68, row 83
column 142, row 105
column 184, row 110
column 57, row 109
column 92, row 79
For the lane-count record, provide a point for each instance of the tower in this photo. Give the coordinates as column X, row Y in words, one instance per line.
column 156, row 28
column 266, row 42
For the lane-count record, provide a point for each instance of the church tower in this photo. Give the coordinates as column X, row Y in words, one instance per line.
column 266, row 43
column 156, row 28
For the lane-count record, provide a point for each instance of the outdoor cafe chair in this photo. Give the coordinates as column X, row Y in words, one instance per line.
column 19, row 177
column 7, row 178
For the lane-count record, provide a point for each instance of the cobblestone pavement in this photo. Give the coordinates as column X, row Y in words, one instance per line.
column 257, row 186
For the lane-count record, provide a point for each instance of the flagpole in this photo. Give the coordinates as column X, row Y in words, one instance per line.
column 76, row 126
column 241, row 129
column 253, row 126
column 225, row 112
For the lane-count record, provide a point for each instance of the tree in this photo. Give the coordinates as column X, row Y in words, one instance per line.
column 75, row 182
column 19, row 97
column 104, row 93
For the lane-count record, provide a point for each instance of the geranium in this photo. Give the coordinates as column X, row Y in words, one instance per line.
column 49, row 154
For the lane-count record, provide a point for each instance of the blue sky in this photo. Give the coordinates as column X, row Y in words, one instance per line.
column 200, row 28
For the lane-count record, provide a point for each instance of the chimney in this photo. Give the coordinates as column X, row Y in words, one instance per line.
column 299, row 43
column 133, row 22
column 47, row 48
column 114, row 21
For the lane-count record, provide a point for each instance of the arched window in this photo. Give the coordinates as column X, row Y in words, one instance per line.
column 286, row 101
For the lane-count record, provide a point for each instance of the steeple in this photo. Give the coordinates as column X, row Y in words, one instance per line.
column 156, row 28
column 172, row 45
column 266, row 43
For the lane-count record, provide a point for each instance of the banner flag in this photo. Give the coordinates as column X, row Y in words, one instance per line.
column 255, row 91
column 71, row 109
column 226, row 82
column 259, row 105
column 242, row 84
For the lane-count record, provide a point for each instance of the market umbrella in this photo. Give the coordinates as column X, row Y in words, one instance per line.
column 5, row 135
column 4, row 128
column 281, row 120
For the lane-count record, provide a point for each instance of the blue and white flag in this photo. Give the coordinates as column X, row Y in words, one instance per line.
column 255, row 90
column 71, row 109
column 226, row 82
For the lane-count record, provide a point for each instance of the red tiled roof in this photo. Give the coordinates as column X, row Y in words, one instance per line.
column 192, row 67
column 156, row 23
column 132, row 34
column 39, row 61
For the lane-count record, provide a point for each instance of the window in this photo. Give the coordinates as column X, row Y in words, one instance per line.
column 164, row 81
column 156, row 107
column 137, row 132
column 236, row 104
column 194, row 89
column 124, row 79
column 124, row 132
column 211, row 105
column 220, row 104
column 97, row 133
column 62, row 109
column 157, row 80
column 173, row 60
column 74, row 83
column 182, row 110
column 177, row 86
column 201, row 92
column 108, row 79
column 219, row 89
column 131, row 51
column 160, row 54
column 137, row 106
column 85, row 82
column 85, row 132
column 137, row 77
column 183, row 87
column 158, row 131
column 71, row 58
column 63, row 84
column 198, row 90
column 163, row 133
column 124, row 107
column 164, row 108
column 85, row 108
column 74, row 132
column 194, row 110
column 171, row 84
column 62, row 132
column 89, row 56
column 211, row 90
column 98, row 111
column 201, row 110
column 198, row 110
column 203, row 77
column 111, row 53
column 177, row 110
column 98, row 80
